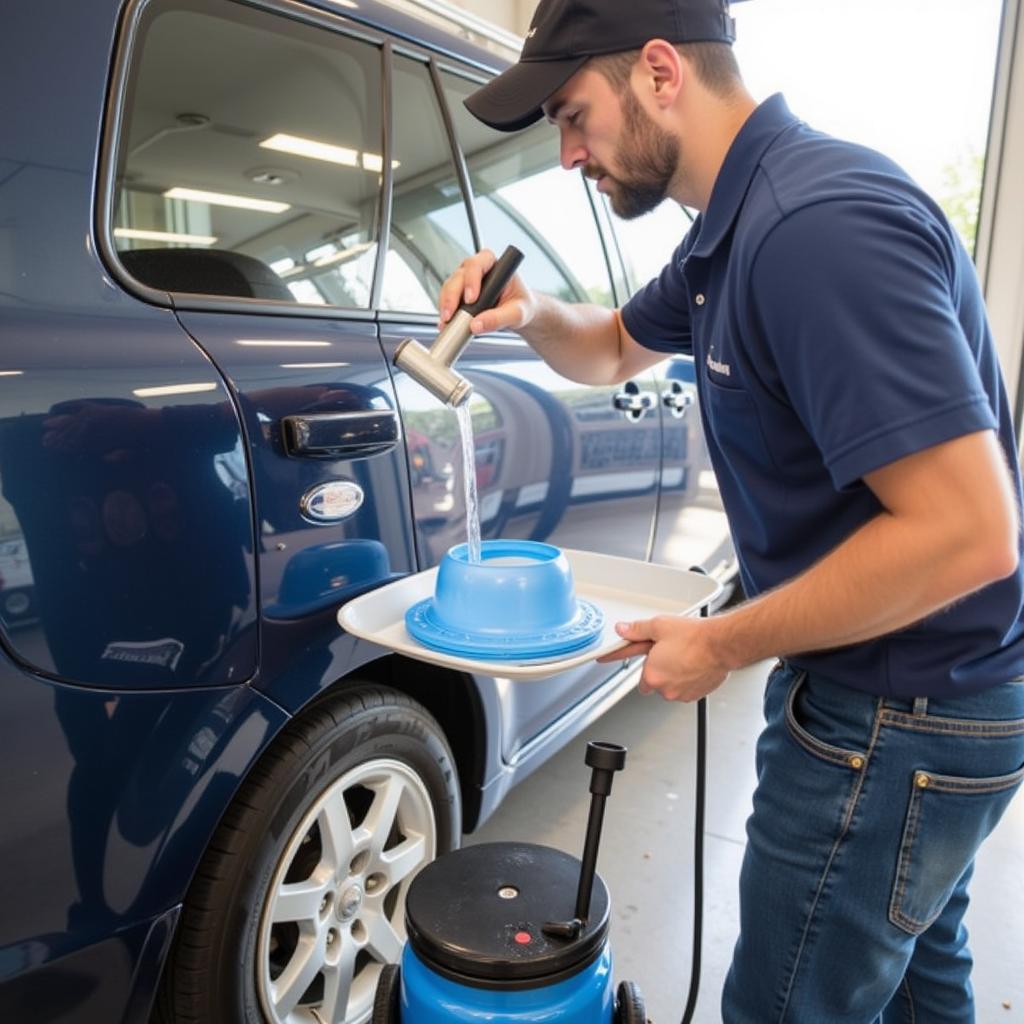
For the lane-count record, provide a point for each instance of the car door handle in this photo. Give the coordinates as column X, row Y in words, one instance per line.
column 341, row 435
column 677, row 399
column 632, row 401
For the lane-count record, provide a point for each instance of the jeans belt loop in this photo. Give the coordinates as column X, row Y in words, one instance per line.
column 920, row 707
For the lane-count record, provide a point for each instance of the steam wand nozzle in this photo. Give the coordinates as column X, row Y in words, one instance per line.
column 606, row 759
column 433, row 367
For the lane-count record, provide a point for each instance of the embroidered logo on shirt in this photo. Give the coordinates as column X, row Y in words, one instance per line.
column 723, row 368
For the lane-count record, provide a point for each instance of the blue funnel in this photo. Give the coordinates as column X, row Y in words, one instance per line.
column 516, row 604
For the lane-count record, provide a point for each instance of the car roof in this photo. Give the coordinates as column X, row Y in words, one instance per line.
column 419, row 31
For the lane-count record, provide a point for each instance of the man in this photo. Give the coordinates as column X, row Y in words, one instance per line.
column 862, row 441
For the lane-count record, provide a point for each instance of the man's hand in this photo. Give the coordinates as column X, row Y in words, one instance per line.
column 584, row 342
column 515, row 309
column 681, row 663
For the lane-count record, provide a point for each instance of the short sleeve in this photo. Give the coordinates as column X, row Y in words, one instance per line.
column 855, row 301
column 658, row 315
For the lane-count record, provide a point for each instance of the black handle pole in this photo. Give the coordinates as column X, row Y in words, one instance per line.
column 589, row 867
column 606, row 759
column 495, row 281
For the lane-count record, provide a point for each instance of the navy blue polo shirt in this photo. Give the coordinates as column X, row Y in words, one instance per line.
column 837, row 325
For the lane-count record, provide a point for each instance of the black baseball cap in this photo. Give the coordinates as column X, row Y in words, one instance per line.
column 565, row 34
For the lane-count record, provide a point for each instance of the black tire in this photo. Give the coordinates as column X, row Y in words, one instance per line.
column 629, row 1004
column 236, row 932
column 385, row 1004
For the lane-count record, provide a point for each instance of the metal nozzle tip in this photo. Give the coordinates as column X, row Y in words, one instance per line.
column 440, row 380
column 460, row 393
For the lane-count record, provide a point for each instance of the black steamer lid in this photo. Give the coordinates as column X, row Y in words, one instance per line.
column 476, row 916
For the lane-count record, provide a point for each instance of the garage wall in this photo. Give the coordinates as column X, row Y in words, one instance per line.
column 513, row 15
column 510, row 15
column 1001, row 229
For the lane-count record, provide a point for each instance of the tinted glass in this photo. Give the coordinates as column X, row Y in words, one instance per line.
column 250, row 163
column 647, row 242
column 430, row 232
column 525, row 198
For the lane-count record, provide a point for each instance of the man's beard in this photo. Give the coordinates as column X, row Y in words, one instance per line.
column 648, row 157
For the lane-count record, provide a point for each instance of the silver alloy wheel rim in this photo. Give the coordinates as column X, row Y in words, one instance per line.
column 327, row 930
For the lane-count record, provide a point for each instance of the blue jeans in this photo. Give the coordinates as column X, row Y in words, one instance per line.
column 867, row 815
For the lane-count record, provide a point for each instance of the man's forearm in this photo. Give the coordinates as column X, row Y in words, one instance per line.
column 581, row 342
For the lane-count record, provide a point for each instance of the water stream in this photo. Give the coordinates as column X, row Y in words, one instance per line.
column 469, row 480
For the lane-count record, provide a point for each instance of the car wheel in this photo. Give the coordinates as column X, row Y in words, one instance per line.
column 299, row 901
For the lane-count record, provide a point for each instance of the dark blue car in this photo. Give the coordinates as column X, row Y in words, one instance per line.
column 218, row 219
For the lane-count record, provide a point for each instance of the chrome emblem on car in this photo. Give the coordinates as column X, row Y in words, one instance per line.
column 332, row 502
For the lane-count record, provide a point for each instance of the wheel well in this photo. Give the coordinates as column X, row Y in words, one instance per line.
column 452, row 698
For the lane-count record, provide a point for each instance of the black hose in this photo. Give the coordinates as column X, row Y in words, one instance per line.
column 698, row 852
column 698, row 859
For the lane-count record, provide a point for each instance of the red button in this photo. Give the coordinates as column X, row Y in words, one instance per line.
column 524, row 938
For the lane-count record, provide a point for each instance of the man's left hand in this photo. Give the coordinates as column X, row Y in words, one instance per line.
column 681, row 664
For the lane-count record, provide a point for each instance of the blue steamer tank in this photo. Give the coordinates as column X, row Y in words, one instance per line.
column 477, row 947
column 490, row 937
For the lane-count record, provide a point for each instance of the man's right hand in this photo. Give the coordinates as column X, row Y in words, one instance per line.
column 515, row 309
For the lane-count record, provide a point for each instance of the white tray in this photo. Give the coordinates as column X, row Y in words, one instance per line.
column 623, row 588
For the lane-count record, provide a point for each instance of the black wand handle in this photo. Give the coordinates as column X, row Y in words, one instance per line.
column 495, row 281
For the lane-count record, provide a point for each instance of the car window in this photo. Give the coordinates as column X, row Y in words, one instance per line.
column 616, row 257
column 523, row 197
column 430, row 228
column 250, row 162
column 647, row 243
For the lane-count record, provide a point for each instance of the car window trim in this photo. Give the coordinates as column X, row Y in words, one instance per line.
column 437, row 69
column 410, row 45
column 458, row 157
column 552, row 253
column 609, row 240
column 460, row 72
column 115, row 108
column 387, row 197
column 455, row 154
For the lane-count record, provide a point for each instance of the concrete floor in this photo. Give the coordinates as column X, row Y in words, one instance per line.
column 647, row 863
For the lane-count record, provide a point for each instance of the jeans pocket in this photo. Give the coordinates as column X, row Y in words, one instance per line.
column 820, row 749
column 947, row 820
column 774, row 679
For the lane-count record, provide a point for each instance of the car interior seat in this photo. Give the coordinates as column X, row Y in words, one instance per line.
column 206, row 272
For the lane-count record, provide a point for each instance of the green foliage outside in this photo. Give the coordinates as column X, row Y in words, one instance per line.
column 961, row 196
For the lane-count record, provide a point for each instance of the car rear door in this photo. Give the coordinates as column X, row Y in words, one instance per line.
column 258, row 210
